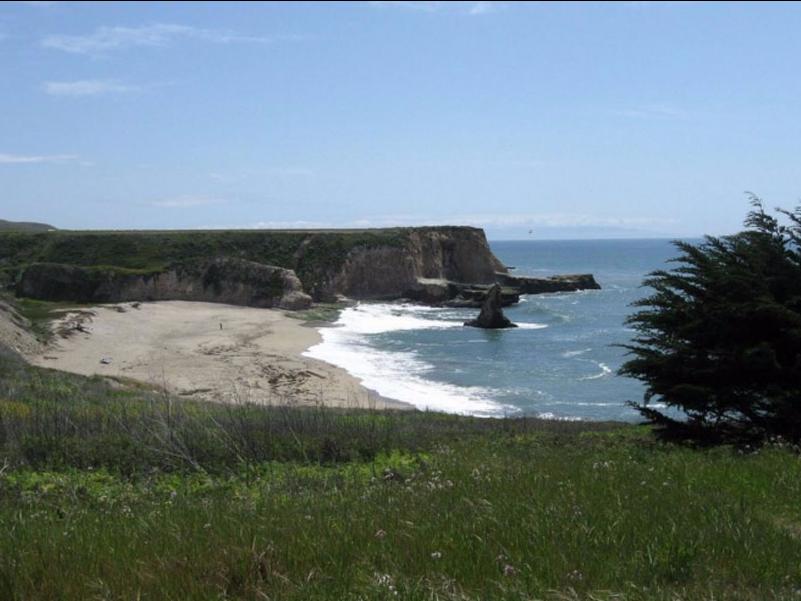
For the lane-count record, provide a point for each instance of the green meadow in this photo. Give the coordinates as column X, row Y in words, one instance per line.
column 110, row 490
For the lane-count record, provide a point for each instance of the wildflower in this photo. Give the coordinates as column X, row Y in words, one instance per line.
column 509, row 570
column 436, row 555
column 386, row 581
column 380, row 534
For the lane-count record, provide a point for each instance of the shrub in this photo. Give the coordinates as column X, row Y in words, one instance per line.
column 719, row 341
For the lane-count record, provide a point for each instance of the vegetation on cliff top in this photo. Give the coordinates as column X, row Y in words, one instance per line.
column 24, row 226
column 153, row 251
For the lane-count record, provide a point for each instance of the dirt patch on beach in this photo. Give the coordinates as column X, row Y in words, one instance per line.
column 15, row 331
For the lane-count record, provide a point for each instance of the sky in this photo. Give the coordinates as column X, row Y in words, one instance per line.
column 531, row 120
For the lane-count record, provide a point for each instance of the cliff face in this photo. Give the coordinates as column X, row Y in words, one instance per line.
column 361, row 264
column 231, row 281
column 454, row 254
column 435, row 265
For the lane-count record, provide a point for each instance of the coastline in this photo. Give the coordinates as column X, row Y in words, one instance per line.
column 206, row 351
column 401, row 376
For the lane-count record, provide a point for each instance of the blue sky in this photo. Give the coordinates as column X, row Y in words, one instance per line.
column 566, row 120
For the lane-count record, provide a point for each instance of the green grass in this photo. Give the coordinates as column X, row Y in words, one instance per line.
column 24, row 226
column 122, row 493
column 40, row 314
column 320, row 312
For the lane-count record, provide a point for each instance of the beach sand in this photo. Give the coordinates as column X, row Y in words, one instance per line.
column 205, row 351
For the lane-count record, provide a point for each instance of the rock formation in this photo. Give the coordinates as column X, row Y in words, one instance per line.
column 557, row 283
column 222, row 280
column 422, row 255
column 491, row 316
column 456, row 294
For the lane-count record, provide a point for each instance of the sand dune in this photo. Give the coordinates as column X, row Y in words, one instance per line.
column 207, row 351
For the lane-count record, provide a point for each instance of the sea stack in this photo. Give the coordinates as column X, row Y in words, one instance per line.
column 491, row 316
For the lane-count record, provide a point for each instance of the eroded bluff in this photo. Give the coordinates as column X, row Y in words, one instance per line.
column 427, row 256
column 221, row 280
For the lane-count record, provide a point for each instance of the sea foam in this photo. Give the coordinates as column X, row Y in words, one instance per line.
column 401, row 375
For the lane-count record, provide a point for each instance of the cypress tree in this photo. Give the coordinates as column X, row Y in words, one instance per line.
column 718, row 342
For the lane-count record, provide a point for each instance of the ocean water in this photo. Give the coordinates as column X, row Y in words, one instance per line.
column 560, row 363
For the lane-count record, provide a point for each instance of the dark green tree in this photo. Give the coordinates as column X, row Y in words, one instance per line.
column 718, row 342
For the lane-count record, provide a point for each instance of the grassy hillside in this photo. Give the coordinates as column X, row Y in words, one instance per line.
column 24, row 226
column 113, row 492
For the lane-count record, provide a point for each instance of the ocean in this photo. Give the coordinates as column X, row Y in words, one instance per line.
column 560, row 363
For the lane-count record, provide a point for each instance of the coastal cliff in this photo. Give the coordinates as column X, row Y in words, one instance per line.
column 265, row 268
column 230, row 281
column 459, row 255
column 359, row 264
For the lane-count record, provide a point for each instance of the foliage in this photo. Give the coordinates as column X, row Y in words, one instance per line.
column 320, row 312
column 110, row 490
column 719, row 340
column 53, row 420
column 24, row 226
column 491, row 516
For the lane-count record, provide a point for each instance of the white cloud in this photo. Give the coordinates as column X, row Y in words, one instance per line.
column 106, row 39
column 186, row 202
column 506, row 220
column 658, row 3
column 470, row 8
column 500, row 221
column 558, row 220
column 482, row 8
column 428, row 7
column 18, row 159
column 291, row 225
column 87, row 87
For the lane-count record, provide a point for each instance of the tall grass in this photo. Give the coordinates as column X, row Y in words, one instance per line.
column 117, row 493
column 53, row 420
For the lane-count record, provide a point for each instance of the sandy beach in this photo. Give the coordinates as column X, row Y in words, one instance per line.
column 205, row 351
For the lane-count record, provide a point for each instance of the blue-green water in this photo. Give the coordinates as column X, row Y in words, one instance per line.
column 561, row 362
